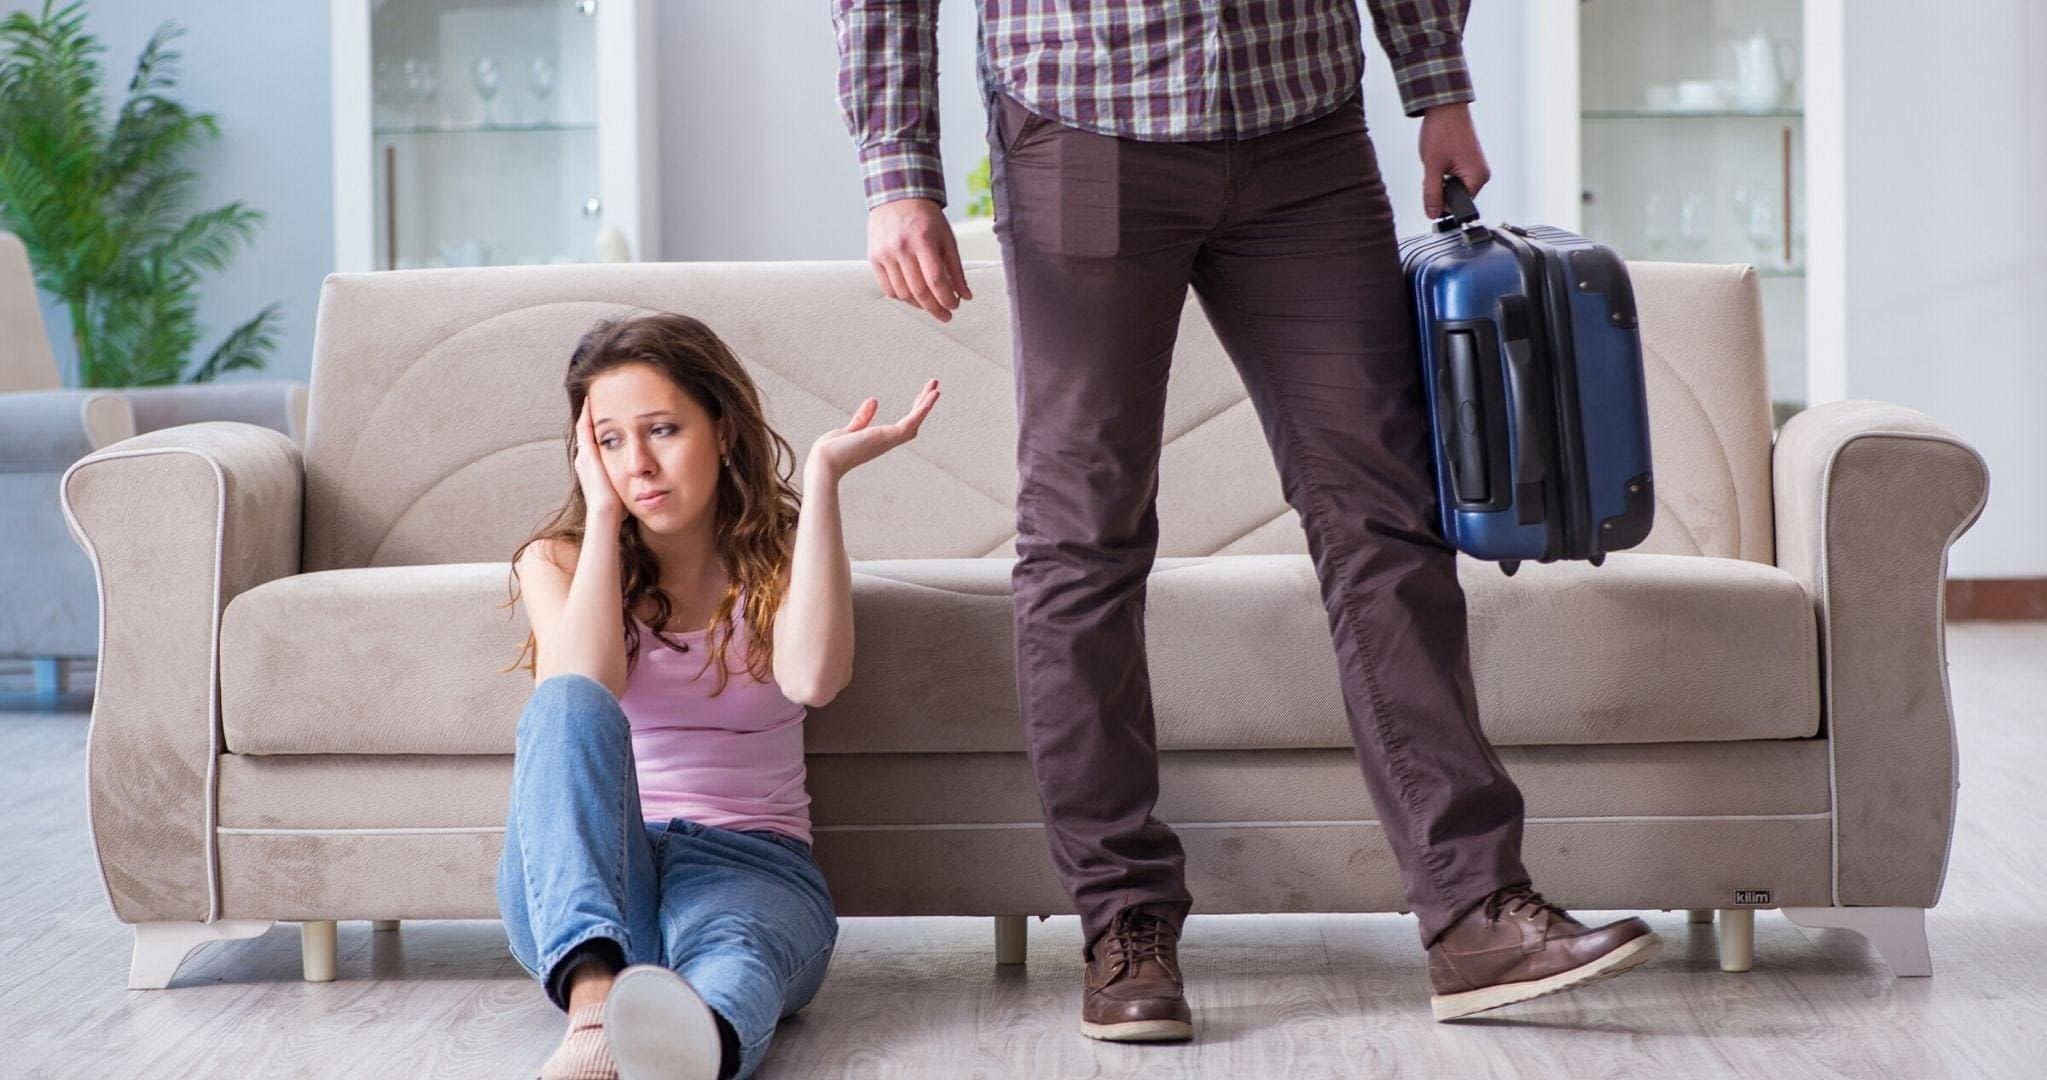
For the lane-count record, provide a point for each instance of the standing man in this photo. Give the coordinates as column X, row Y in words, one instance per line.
column 1139, row 148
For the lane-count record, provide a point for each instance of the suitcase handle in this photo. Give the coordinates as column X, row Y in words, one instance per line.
column 1465, row 420
column 1460, row 212
column 1528, row 380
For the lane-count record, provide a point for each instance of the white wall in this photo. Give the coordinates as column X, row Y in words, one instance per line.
column 1946, row 159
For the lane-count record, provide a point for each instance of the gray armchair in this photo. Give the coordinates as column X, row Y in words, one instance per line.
column 51, row 611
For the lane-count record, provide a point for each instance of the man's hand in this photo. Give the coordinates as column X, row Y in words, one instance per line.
column 911, row 248
column 1449, row 147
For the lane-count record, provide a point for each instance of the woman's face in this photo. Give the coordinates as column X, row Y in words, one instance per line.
column 658, row 445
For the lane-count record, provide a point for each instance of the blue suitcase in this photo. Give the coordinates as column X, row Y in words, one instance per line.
column 1532, row 367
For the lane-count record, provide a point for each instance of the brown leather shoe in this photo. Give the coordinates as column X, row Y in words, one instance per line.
column 1517, row 946
column 1134, row 990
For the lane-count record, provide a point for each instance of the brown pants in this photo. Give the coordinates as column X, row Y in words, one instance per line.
column 1288, row 241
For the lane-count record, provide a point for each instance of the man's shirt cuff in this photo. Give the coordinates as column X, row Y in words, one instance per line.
column 902, row 169
column 1432, row 77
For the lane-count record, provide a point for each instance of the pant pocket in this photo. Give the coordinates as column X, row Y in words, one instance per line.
column 1014, row 124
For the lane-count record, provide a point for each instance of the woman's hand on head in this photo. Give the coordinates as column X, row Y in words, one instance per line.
column 838, row 451
column 599, row 498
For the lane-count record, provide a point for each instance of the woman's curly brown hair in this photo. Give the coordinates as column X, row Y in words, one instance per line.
column 756, row 505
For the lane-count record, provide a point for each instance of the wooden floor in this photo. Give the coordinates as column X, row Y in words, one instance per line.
column 1274, row 996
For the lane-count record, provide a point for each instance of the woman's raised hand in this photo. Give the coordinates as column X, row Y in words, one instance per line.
column 599, row 497
column 840, row 449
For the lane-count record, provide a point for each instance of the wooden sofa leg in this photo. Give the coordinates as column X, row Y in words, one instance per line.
column 1012, row 932
column 1897, row 933
column 383, row 925
column 161, row 946
column 1737, row 939
column 1699, row 915
column 316, row 949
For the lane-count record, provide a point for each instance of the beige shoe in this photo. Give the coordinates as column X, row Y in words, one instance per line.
column 659, row 1028
column 584, row 1054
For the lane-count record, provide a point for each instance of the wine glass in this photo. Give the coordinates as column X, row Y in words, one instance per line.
column 1757, row 205
column 484, row 75
column 540, row 80
column 1656, row 221
column 1692, row 224
column 422, row 85
column 1761, row 228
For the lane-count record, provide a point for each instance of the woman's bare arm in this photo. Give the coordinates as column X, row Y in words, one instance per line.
column 577, row 615
column 814, row 626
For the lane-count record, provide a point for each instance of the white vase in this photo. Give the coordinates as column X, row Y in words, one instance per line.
column 1756, row 82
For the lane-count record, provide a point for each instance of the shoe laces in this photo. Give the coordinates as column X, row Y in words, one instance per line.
column 1137, row 936
column 1514, row 898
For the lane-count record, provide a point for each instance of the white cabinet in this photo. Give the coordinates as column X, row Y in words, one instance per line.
column 1705, row 131
column 485, row 132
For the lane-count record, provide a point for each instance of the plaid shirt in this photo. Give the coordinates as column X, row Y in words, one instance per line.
column 1156, row 70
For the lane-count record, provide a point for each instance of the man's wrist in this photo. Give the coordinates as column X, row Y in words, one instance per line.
column 934, row 203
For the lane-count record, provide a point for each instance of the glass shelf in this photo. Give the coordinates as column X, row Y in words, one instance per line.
column 1692, row 114
column 1716, row 259
column 473, row 129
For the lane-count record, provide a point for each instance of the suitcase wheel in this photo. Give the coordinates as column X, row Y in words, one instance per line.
column 1597, row 558
column 1508, row 566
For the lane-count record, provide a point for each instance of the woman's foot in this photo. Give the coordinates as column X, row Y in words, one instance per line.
column 584, row 1054
column 659, row 1028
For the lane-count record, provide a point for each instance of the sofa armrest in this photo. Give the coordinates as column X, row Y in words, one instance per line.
column 47, row 430
column 1869, row 497
column 177, row 523
column 277, row 405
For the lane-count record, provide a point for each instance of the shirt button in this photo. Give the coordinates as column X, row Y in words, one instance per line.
column 1229, row 14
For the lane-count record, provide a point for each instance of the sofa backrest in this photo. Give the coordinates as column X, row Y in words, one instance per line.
column 437, row 414
column 1709, row 409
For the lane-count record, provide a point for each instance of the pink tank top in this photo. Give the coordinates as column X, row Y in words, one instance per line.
column 734, row 761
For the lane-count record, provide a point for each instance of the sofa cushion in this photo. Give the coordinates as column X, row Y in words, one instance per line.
column 1649, row 648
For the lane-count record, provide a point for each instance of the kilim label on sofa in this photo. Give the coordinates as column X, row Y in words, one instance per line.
column 1752, row 897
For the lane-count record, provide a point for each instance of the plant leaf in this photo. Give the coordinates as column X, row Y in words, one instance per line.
column 246, row 346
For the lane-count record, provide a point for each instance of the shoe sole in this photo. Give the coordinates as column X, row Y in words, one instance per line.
column 1139, row 1031
column 659, row 1029
column 1621, row 959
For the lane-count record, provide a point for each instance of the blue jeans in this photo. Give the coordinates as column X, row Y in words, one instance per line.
column 744, row 916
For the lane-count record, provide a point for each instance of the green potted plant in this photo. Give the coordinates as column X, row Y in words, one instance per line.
column 102, row 204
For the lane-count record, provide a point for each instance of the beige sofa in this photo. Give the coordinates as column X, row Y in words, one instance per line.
column 302, row 716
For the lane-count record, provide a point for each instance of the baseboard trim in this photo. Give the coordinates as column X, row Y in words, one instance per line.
column 1997, row 598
